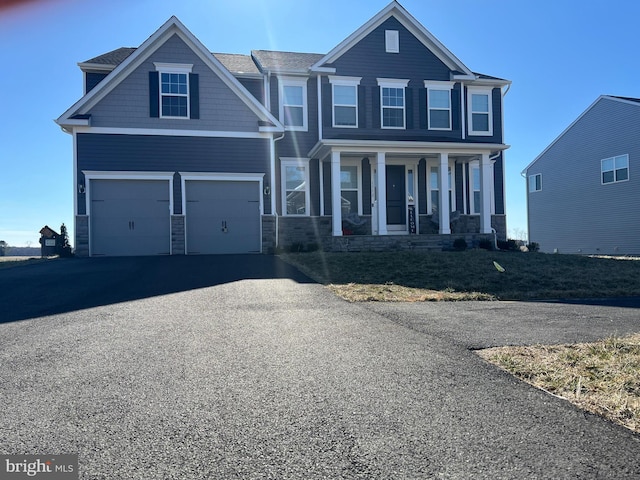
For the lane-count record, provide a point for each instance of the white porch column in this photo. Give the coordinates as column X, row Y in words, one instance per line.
column 485, row 194
column 382, row 193
column 336, row 202
column 443, row 193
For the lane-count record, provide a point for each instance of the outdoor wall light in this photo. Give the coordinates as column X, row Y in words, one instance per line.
column 80, row 188
column 267, row 190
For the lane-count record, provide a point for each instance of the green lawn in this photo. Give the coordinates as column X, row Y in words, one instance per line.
column 469, row 275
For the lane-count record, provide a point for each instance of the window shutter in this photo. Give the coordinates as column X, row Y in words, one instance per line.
column 194, row 96
column 455, row 108
column 377, row 113
column 327, row 105
column 154, row 94
column 362, row 111
column 423, row 108
column 408, row 92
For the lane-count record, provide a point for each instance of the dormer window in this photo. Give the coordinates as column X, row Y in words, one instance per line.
column 174, row 89
column 392, row 41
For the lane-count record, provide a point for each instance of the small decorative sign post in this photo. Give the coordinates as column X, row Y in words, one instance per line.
column 412, row 219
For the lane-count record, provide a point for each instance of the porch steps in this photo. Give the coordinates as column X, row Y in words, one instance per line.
column 387, row 243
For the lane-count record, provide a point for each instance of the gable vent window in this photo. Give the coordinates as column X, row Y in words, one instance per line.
column 392, row 41
column 615, row 169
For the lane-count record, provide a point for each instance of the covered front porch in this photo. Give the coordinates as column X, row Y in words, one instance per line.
column 407, row 189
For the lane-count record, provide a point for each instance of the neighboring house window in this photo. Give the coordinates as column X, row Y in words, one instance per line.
column 345, row 101
column 350, row 189
column 174, row 89
column 480, row 111
column 535, row 182
column 615, row 169
column 434, row 188
column 293, row 103
column 392, row 102
column 295, row 186
column 392, row 41
column 439, row 105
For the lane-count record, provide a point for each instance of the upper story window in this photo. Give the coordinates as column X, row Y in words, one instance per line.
column 480, row 111
column 174, row 89
column 615, row 169
column 392, row 41
column 535, row 182
column 295, row 186
column 293, row 103
column 392, row 101
column 439, row 105
column 345, row 101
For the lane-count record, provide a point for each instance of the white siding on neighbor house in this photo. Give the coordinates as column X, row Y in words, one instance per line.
column 574, row 212
column 127, row 106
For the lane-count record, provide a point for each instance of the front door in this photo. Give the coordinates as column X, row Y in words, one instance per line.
column 396, row 198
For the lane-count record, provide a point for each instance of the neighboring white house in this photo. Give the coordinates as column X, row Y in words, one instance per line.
column 583, row 190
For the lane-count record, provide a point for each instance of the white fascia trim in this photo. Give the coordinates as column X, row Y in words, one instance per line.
column 75, row 122
column 440, row 85
column 173, row 132
column 96, row 66
column 126, row 175
column 220, row 176
column 493, row 83
column 148, row 47
column 273, row 129
column 328, row 70
column 410, row 23
column 601, row 97
column 369, row 147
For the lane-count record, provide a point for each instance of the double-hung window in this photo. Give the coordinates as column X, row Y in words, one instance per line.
column 295, row 186
column 392, row 101
column 480, row 114
column 174, row 89
column 345, row 101
column 475, row 188
column 615, row 169
column 293, row 103
column 439, row 105
column 434, row 188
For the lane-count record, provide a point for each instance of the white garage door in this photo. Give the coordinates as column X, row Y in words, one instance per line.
column 130, row 217
column 222, row 216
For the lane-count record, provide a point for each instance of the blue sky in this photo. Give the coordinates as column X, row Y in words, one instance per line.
column 560, row 56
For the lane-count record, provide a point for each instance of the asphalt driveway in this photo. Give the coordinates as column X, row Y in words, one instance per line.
column 240, row 367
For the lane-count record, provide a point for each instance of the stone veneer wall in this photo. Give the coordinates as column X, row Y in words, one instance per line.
column 82, row 236
column 465, row 224
column 177, row 235
column 268, row 234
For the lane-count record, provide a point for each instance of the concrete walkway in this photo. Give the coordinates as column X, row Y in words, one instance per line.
column 239, row 367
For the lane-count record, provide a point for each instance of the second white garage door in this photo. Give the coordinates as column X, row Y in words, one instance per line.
column 222, row 217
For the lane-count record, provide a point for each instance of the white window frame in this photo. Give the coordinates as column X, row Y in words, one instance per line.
column 474, row 166
column 488, row 91
column 294, row 82
column 358, row 165
column 535, row 181
column 441, row 86
column 343, row 82
column 392, row 41
column 179, row 68
column 615, row 180
column 396, row 84
column 452, row 187
column 294, row 162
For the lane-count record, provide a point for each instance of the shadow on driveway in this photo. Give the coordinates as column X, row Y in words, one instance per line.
column 65, row 285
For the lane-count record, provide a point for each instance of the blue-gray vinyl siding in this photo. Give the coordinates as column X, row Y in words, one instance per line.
column 255, row 86
column 574, row 212
column 98, row 152
column 92, row 79
column 127, row 105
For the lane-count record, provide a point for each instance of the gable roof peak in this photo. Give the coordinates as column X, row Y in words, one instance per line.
column 396, row 10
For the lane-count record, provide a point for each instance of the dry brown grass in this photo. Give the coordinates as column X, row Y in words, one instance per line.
column 390, row 292
column 601, row 377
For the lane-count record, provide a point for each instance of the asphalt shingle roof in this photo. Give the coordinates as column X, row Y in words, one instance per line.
column 631, row 99
column 286, row 61
column 114, row 57
column 237, row 63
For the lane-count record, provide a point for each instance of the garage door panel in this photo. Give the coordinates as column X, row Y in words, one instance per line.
column 130, row 217
column 222, row 217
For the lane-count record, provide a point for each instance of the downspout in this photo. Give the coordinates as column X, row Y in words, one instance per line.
column 319, row 107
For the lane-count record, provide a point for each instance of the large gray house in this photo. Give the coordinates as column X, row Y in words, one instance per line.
column 583, row 190
column 387, row 141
